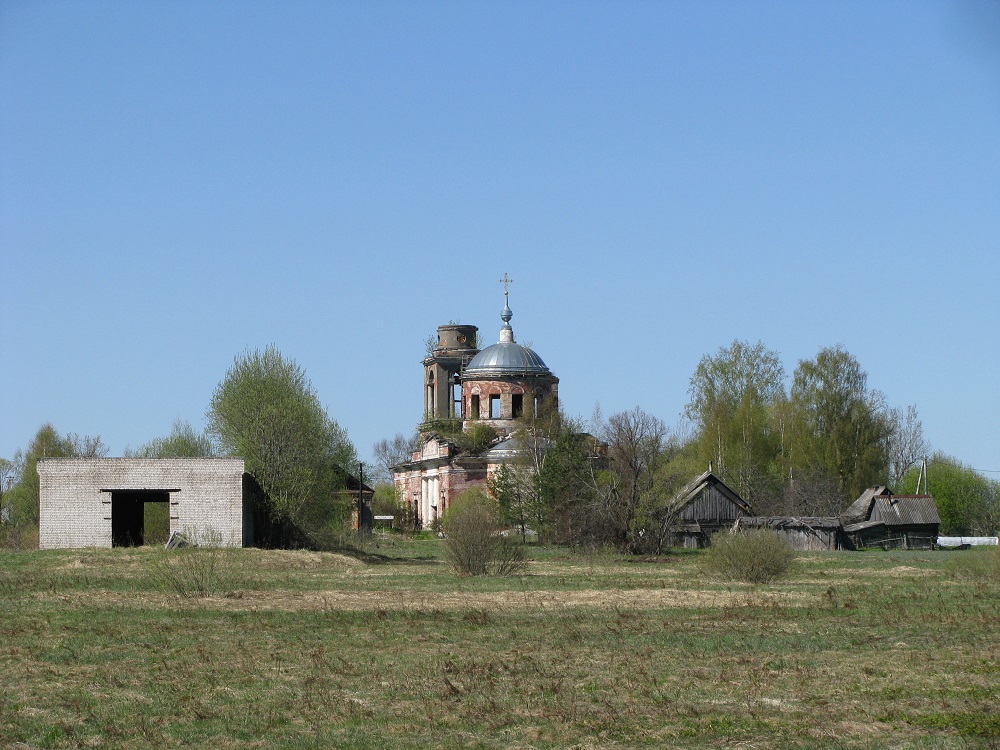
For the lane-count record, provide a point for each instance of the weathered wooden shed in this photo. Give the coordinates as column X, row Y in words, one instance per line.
column 881, row 519
column 704, row 507
column 803, row 532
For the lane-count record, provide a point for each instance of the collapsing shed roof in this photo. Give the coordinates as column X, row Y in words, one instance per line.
column 860, row 509
column 905, row 510
column 878, row 504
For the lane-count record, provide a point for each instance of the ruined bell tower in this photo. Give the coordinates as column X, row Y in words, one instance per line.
column 456, row 346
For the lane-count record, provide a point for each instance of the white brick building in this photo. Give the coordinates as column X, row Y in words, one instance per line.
column 99, row 502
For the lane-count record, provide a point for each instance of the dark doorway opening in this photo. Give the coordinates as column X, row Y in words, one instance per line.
column 128, row 513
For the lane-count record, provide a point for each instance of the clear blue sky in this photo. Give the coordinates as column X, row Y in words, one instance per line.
column 181, row 181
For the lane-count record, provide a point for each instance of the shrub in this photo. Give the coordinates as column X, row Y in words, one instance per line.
column 474, row 546
column 203, row 569
column 15, row 537
column 756, row 556
column 473, row 442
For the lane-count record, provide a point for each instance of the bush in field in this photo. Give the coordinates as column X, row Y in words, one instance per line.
column 756, row 556
column 474, row 546
column 200, row 570
column 191, row 572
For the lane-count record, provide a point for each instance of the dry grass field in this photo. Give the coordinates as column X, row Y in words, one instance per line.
column 248, row 648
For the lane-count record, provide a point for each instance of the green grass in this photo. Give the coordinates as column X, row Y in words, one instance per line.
column 387, row 648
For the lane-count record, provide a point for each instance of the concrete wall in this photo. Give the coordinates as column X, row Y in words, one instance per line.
column 206, row 496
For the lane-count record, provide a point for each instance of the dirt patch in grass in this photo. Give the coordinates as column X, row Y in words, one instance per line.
column 386, row 601
column 280, row 559
column 904, row 570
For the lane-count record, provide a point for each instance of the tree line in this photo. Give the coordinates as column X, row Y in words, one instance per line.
column 808, row 448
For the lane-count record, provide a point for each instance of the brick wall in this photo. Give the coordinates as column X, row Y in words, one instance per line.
column 206, row 497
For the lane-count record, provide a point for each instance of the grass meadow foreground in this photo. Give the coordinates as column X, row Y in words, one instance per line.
column 249, row 648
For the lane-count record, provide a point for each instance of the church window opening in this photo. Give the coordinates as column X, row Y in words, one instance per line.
column 495, row 406
column 517, row 402
column 456, row 397
column 474, row 407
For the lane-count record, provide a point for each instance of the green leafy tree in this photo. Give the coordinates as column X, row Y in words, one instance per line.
column 47, row 443
column 646, row 465
column 968, row 502
column 516, row 496
column 837, row 426
column 386, row 502
column 548, row 484
column 182, row 442
column 20, row 501
column 8, row 476
column 266, row 411
column 735, row 400
column 569, row 503
column 654, row 525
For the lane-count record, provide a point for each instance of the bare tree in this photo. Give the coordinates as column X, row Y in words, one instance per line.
column 87, row 446
column 810, row 493
column 390, row 452
column 636, row 445
column 906, row 443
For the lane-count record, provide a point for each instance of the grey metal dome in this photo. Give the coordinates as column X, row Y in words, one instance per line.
column 503, row 450
column 505, row 358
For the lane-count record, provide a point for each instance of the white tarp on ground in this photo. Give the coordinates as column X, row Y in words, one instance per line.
column 957, row 541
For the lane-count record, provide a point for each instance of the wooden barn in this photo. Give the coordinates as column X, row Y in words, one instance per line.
column 881, row 519
column 803, row 532
column 704, row 507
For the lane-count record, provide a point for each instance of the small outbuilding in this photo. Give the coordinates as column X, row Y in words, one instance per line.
column 704, row 507
column 803, row 532
column 100, row 502
column 881, row 519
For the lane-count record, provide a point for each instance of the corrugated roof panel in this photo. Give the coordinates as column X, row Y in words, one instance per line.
column 905, row 510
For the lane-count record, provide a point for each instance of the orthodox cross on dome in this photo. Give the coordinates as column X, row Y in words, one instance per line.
column 506, row 281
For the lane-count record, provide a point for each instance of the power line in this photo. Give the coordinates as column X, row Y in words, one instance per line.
column 962, row 466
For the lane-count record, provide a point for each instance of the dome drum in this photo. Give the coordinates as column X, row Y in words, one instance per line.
column 504, row 381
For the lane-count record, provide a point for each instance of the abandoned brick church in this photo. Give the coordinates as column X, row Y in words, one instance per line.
column 463, row 384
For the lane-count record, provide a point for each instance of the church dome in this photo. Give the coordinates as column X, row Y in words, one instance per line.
column 506, row 357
